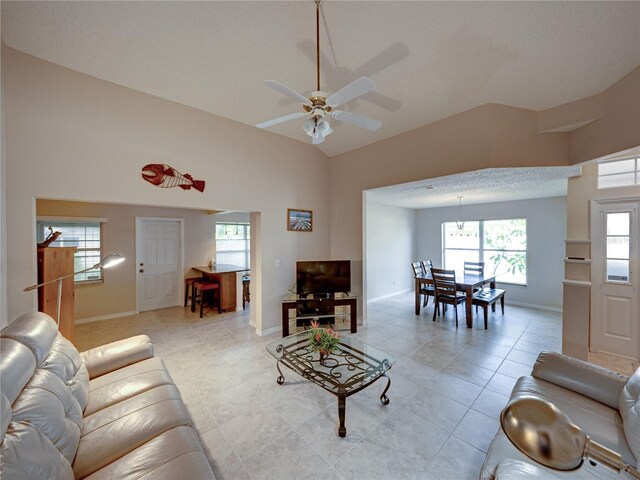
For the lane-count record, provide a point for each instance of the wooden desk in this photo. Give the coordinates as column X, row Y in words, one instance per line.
column 226, row 276
column 465, row 283
column 295, row 303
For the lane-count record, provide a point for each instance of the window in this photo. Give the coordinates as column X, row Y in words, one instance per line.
column 617, row 246
column 619, row 173
column 85, row 236
column 232, row 244
column 501, row 244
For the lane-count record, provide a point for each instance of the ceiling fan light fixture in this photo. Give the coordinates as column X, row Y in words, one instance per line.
column 317, row 127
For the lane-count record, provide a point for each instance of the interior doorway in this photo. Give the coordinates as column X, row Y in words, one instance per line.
column 615, row 326
column 159, row 259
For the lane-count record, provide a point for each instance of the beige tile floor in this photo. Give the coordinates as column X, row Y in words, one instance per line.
column 448, row 387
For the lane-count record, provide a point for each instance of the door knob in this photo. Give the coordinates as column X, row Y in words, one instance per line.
column 142, row 270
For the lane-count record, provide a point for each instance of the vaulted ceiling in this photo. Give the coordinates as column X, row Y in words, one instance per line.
column 429, row 60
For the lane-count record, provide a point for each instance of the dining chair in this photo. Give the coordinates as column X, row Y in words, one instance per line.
column 446, row 291
column 427, row 265
column 425, row 290
column 474, row 268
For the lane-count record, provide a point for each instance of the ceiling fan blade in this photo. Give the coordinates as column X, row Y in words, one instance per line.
column 276, row 121
column 357, row 120
column 319, row 138
column 283, row 89
column 353, row 90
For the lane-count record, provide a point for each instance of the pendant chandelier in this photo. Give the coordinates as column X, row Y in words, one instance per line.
column 460, row 222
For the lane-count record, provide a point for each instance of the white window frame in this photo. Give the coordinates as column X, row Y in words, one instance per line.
column 246, row 237
column 481, row 250
column 58, row 222
column 635, row 170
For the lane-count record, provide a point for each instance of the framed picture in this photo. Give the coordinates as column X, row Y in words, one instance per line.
column 299, row 220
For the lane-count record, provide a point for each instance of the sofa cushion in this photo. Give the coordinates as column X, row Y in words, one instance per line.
column 125, row 383
column 17, row 364
column 36, row 330
column 47, row 404
column 121, row 428
column 115, row 355
column 167, row 456
column 602, row 423
column 5, row 415
column 630, row 412
column 65, row 361
column 510, row 469
column 26, row 454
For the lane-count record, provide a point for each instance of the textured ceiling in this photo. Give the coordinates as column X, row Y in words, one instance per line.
column 483, row 186
column 429, row 60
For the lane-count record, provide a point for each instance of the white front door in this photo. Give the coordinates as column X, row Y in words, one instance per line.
column 159, row 262
column 616, row 265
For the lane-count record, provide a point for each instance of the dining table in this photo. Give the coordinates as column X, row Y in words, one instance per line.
column 467, row 283
column 225, row 274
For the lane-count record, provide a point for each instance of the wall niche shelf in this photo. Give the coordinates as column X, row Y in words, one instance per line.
column 576, row 283
column 578, row 260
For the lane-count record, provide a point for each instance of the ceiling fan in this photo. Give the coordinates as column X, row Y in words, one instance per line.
column 320, row 106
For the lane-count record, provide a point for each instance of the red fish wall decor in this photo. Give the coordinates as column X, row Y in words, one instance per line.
column 164, row 176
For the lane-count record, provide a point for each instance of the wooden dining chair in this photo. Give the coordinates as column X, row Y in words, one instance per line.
column 425, row 290
column 474, row 268
column 446, row 291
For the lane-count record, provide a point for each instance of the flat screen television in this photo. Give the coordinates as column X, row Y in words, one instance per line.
column 323, row 277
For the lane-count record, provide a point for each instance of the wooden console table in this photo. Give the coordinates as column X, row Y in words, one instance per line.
column 321, row 306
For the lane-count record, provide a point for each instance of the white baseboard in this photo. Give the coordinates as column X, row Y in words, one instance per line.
column 533, row 305
column 377, row 299
column 105, row 317
column 268, row 331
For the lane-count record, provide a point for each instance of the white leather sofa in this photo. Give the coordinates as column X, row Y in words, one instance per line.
column 605, row 404
column 110, row 412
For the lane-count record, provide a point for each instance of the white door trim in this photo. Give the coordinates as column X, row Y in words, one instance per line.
column 597, row 260
column 180, row 221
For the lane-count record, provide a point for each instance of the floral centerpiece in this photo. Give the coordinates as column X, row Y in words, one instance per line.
column 322, row 340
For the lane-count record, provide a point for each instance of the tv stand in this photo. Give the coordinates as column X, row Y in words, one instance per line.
column 307, row 308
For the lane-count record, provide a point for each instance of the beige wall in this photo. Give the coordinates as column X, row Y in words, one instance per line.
column 118, row 235
column 618, row 127
column 74, row 137
column 485, row 137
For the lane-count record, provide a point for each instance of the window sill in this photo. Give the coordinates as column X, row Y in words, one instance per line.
column 512, row 284
column 89, row 282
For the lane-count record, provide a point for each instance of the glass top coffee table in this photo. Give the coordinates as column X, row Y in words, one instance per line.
column 352, row 367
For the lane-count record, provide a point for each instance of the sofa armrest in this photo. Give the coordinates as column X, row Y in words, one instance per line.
column 112, row 356
column 593, row 381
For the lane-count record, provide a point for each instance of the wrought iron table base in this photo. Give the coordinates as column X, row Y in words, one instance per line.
column 342, row 400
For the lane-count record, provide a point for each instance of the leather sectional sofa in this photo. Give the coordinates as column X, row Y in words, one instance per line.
column 109, row 412
column 605, row 404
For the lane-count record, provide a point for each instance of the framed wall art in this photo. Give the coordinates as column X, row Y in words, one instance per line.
column 299, row 220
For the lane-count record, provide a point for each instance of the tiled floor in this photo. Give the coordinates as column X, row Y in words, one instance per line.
column 448, row 387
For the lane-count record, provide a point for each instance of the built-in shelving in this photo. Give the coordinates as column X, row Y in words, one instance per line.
column 578, row 260
column 576, row 283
